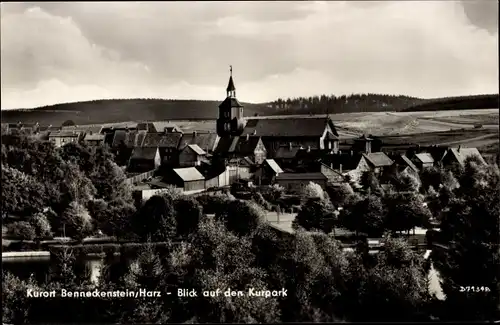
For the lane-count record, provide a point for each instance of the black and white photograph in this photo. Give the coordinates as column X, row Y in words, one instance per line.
column 250, row 162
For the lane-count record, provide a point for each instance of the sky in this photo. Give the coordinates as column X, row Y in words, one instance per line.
column 74, row 51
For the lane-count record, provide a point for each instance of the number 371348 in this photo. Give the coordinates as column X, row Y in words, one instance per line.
column 474, row 289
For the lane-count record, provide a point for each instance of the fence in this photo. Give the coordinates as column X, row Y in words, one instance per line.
column 140, row 177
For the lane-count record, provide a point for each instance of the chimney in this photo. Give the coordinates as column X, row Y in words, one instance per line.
column 459, row 147
column 248, row 136
column 308, row 148
column 290, row 146
column 254, row 132
column 331, row 165
column 352, row 153
column 340, row 168
column 194, row 133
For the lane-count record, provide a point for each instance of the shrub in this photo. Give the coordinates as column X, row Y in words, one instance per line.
column 212, row 204
column 42, row 226
column 313, row 190
column 22, row 230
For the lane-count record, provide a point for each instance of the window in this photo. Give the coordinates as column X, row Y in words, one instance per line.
column 329, row 145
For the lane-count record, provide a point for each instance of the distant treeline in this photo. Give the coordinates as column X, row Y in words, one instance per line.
column 119, row 110
column 343, row 104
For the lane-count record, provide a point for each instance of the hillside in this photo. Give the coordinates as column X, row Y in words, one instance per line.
column 456, row 103
column 118, row 110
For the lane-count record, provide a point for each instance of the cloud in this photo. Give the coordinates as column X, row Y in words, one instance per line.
column 60, row 52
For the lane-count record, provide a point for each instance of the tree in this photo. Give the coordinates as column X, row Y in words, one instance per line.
column 242, row 217
column 395, row 289
column 364, row 215
column 406, row 211
column 109, row 181
column 113, row 218
column 75, row 222
column 22, row 230
column 188, row 215
column 316, row 214
column 406, row 182
column 338, row 194
column 42, row 225
column 156, row 219
column 369, row 182
column 313, row 190
column 15, row 303
column 470, row 228
column 68, row 123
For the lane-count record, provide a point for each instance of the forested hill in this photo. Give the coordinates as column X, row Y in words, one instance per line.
column 379, row 103
column 117, row 110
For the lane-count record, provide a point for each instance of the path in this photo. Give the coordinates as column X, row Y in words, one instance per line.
column 465, row 141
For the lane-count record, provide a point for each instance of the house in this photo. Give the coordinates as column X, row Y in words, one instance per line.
column 166, row 127
column 61, row 138
column 267, row 172
column 460, row 155
column 216, row 175
column 94, row 139
column 363, row 144
column 192, row 155
column 144, row 160
column 423, row 160
column 402, row 166
column 287, row 155
column 189, row 179
column 240, row 168
column 316, row 133
column 378, row 161
column 295, row 182
column 351, row 164
column 167, row 144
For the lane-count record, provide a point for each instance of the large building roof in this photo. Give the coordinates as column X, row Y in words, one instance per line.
column 286, row 127
column 162, row 140
column 206, row 141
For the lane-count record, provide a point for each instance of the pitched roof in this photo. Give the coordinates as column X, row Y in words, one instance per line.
column 189, row 174
column 224, row 144
column 163, row 126
column 286, row 127
column 196, row 149
column 162, row 140
column 119, row 138
column 378, row 159
column 244, row 146
column 301, row 176
column 94, row 137
column 274, row 166
column 348, row 161
column 206, row 141
column 461, row 155
column 409, row 163
column 425, row 158
column 144, row 153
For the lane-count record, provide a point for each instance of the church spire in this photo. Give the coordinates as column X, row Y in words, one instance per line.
column 231, row 90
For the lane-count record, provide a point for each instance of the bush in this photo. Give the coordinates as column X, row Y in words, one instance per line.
column 260, row 200
column 313, row 190
column 213, row 204
column 42, row 226
column 22, row 230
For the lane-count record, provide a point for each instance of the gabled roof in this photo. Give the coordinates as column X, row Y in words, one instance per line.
column 244, row 146
column 407, row 162
column 144, row 153
column 162, row 126
column 189, row 174
column 224, row 144
column 196, row 149
column 378, row 159
column 274, row 166
column 461, row 155
column 286, row 127
column 162, row 140
column 94, row 137
column 301, row 176
column 206, row 141
column 425, row 158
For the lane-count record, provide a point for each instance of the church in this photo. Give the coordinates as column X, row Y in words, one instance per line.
column 269, row 137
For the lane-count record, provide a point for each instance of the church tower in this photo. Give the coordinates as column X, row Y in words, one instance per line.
column 230, row 121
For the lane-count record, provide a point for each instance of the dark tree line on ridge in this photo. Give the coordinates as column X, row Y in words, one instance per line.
column 214, row 242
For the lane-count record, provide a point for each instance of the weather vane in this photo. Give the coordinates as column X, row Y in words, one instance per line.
column 231, row 70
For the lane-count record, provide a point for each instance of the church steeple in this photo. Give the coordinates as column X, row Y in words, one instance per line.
column 231, row 90
column 230, row 121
